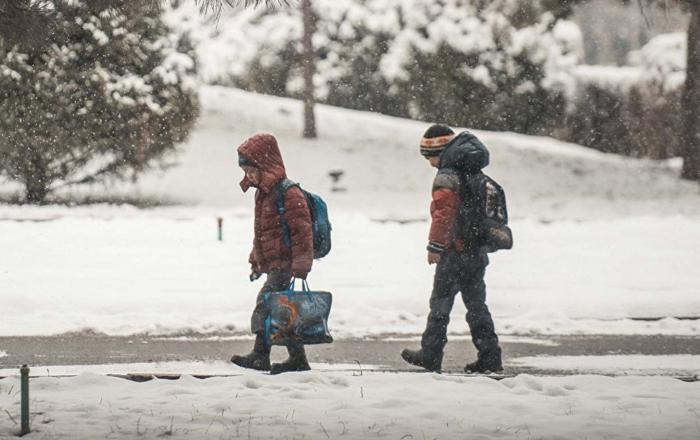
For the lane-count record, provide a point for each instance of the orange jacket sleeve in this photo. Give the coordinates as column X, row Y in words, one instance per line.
column 444, row 210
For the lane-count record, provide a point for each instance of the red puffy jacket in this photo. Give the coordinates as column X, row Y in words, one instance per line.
column 444, row 211
column 269, row 250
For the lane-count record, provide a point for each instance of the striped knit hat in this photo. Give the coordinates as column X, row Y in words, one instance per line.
column 435, row 140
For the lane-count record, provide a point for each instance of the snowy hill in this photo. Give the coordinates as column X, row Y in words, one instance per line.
column 384, row 173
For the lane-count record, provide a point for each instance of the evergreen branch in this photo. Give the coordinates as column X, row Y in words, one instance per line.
column 112, row 168
column 20, row 20
column 28, row 22
column 216, row 6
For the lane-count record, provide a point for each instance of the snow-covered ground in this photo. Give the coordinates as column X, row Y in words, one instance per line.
column 357, row 406
column 679, row 364
column 172, row 368
column 599, row 238
column 142, row 272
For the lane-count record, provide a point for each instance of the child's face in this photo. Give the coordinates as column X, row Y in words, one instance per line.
column 253, row 174
column 434, row 161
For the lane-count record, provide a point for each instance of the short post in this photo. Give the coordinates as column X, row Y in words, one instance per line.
column 24, row 403
column 220, row 222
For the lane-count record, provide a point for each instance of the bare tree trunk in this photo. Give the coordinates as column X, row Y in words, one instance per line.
column 35, row 193
column 690, row 140
column 35, row 182
column 308, row 62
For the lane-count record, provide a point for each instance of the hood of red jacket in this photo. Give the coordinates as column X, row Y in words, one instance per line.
column 262, row 150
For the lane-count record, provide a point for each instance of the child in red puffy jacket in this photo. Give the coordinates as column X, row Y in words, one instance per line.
column 260, row 159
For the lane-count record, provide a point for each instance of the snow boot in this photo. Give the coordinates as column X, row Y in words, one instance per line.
column 423, row 359
column 482, row 366
column 258, row 359
column 297, row 361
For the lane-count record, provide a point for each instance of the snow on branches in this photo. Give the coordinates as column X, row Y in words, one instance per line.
column 384, row 54
column 108, row 97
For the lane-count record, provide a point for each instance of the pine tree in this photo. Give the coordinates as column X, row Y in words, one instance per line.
column 109, row 97
column 28, row 22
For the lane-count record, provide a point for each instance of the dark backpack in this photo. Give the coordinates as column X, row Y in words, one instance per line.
column 321, row 226
column 483, row 213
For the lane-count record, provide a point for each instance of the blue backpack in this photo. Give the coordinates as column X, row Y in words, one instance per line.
column 321, row 226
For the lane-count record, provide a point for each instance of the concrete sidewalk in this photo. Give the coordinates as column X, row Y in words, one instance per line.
column 90, row 349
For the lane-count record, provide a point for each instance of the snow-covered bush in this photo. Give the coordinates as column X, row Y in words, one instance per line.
column 633, row 110
column 260, row 50
column 501, row 64
column 662, row 61
column 110, row 96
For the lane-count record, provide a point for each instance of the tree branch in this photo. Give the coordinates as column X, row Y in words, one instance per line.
column 92, row 178
column 644, row 14
column 28, row 22
column 21, row 19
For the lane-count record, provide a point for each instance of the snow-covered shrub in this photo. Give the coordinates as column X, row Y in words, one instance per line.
column 632, row 110
column 353, row 40
column 110, row 96
column 597, row 119
column 638, row 122
column 260, row 50
column 230, row 46
column 501, row 64
column 663, row 61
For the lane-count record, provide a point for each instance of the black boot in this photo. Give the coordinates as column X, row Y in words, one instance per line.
column 420, row 358
column 258, row 359
column 489, row 363
column 297, row 360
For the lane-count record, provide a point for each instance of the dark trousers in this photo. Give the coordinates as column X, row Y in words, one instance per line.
column 276, row 281
column 461, row 273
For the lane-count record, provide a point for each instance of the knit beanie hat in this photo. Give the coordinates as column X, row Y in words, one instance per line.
column 435, row 140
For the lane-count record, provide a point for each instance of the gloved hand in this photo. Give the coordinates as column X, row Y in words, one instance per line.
column 300, row 274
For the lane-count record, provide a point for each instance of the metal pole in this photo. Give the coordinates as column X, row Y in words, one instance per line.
column 220, row 222
column 24, row 404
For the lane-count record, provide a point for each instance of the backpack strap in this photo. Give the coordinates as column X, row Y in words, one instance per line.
column 280, row 192
column 471, row 211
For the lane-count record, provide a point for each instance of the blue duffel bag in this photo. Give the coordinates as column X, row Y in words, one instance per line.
column 297, row 316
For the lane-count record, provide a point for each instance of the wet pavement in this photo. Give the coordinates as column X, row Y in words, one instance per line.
column 92, row 349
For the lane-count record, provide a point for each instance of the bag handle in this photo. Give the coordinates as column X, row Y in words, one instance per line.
column 304, row 285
